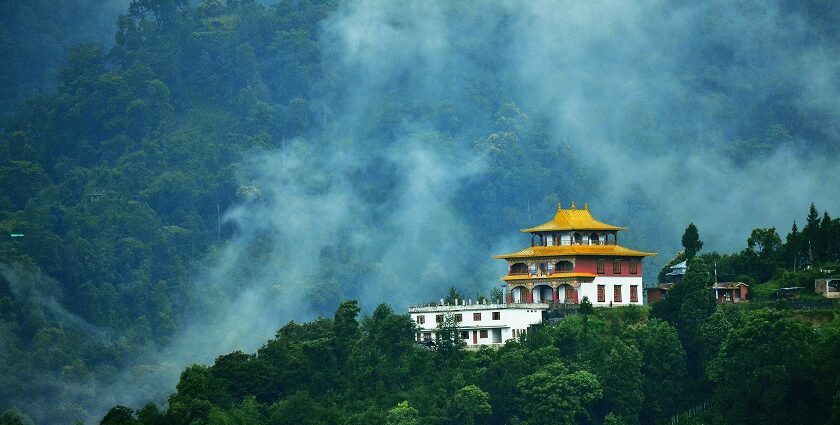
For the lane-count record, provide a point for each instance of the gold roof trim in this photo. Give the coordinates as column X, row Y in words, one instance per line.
column 563, row 250
column 549, row 276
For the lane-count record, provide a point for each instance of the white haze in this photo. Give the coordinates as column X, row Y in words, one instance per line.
column 605, row 74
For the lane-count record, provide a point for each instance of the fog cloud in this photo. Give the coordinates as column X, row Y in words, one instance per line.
column 652, row 98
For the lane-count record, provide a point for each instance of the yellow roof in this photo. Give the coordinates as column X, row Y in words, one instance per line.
column 572, row 219
column 562, row 250
column 547, row 276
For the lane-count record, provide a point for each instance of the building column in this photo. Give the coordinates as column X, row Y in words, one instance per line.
column 510, row 295
column 555, row 292
column 531, row 296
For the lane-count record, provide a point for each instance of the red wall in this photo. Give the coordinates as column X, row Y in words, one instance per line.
column 590, row 265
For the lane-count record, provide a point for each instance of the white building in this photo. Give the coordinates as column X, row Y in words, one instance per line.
column 479, row 324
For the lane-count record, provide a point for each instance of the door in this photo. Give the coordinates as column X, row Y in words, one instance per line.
column 475, row 337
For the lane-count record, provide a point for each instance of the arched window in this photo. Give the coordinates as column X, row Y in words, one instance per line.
column 519, row 268
column 564, row 266
column 593, row 239
column 578, row 238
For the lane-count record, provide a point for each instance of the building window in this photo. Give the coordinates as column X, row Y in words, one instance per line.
column 477, row 317
column 601, row 296
column 518, row 268
column 564, row 266
column 497, row 315
column 616, row 266
column 438, row 318
column 617, row 293
column 600, row 266
column 634, row 293
column 483, row 334
column 421, row 319
column 634, row 264
column 465, row 334
column 427, row 335
column 458, row 317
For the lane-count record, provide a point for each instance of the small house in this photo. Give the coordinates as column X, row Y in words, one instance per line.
column 730, row 292
column 828, row 287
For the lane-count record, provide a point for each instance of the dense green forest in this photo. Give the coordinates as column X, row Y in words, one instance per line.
column 180, row 178
column 611, row 366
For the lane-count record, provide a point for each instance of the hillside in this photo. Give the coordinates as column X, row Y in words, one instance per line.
column 214, row 169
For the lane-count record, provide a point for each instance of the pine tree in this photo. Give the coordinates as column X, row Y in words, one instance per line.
column 691, row 241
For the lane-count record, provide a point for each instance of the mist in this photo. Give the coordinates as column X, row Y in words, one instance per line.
column 627, row 96
column 612, row 82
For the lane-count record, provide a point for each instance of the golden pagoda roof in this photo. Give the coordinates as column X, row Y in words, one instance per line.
column 572, row 219
column 548, row 276
column 564, row 250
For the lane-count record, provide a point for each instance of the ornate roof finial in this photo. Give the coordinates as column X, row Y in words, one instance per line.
column 586, row 206
column 559, row 206
column 573, row 204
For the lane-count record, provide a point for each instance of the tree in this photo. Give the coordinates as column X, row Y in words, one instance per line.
column 497, row 295
column 469, row 405
column 345, row 329
column 811, row 232
column 691, row 241
column 14, row 416
column 553, row 395
column 402, row 414
column 767, row 241
column 620, row 374
column 448, row 338
column 663, row 369
column 119, row 415
column 765, row 363
column 453, row 296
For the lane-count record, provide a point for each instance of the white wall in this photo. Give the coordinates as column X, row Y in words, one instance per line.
column 591, row 290
column 510, row 318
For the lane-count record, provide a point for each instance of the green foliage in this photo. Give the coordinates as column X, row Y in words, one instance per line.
column 14, row 416
column 402, row 414
column 766, row 363
column 470, row 405
column 448, row 339
column 663, row 369
column 453, row 296
column 554, row 395
column 119, row 415
column 691, row 241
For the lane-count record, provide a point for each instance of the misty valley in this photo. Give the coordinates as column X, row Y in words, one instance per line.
column 329, row 212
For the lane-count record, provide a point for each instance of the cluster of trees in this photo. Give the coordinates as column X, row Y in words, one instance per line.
column 117, row 179
column 795, row 261
column 604, row 366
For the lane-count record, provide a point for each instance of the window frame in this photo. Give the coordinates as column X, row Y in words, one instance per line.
column 496, row 315
column 477, row 317
column 421, row 319
column 438, row 318
column 482, row 333
column 634, row 293
column 634, row 266
column 600, row 265
column 617, row 293
column 602, row 293
column 617, row 266
column 459, row 317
